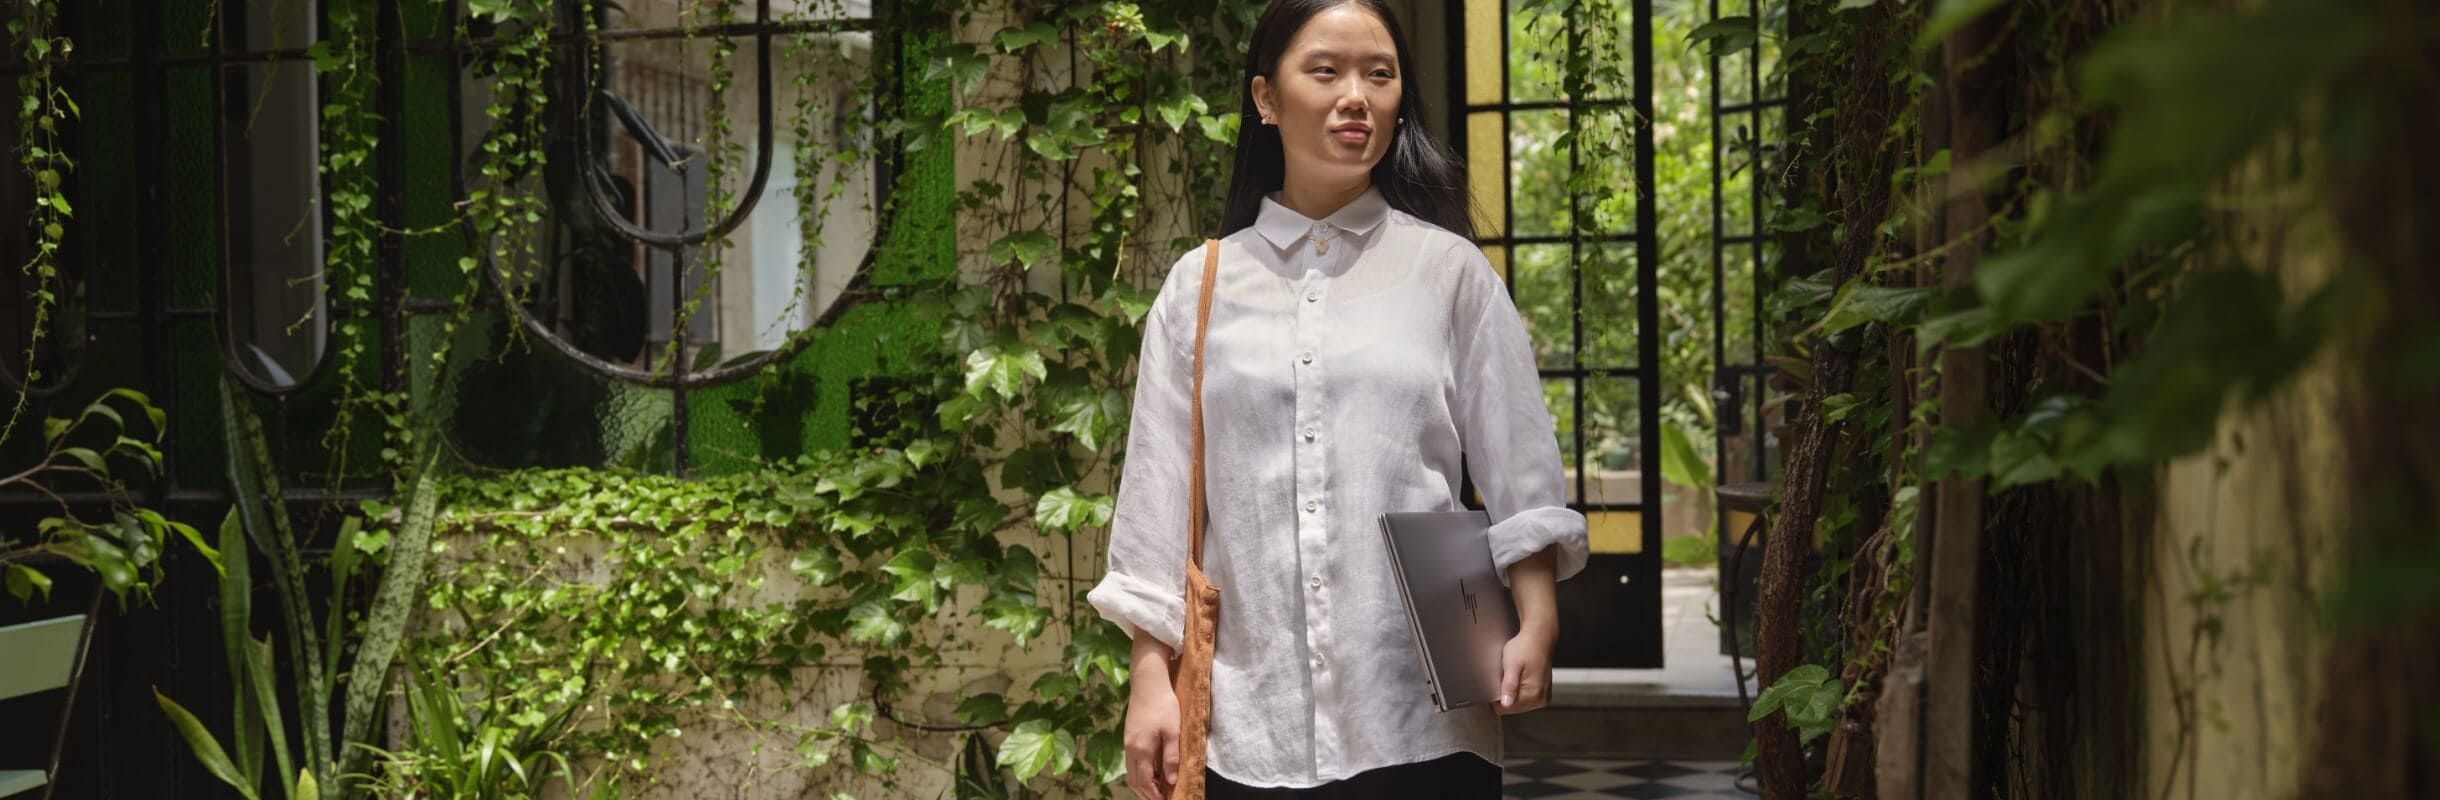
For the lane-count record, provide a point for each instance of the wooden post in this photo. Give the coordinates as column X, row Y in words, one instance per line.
column 1956, row 557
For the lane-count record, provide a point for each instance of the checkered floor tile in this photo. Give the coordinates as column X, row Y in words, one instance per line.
column 1631, row 780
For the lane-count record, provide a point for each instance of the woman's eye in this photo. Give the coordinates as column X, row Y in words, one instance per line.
column 1382, row 74
column 1324, row 71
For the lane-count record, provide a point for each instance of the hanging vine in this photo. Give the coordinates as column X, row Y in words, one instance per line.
column 42, row 106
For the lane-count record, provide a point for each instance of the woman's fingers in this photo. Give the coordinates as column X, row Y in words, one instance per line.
column 1140, row 775
column 1169, row 760
column 1510, row 671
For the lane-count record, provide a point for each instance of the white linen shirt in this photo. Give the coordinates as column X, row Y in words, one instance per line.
column 1337, row 386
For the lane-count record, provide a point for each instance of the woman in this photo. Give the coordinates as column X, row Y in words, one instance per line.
column 1360, row 350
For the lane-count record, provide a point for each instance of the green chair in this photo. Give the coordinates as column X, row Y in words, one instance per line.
column 42, row 656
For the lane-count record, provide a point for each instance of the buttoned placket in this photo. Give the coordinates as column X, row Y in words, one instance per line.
column 1312, row 480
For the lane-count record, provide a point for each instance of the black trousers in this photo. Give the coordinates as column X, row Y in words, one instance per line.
column 1457, row 776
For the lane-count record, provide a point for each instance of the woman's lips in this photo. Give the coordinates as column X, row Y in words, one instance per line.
column 1353, row 134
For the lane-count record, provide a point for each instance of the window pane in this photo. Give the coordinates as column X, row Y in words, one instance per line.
column 1542, row 283
column 1736, row 175
column 1560, row 395
column 1615, row 532
column 1736, row 75
column 1538, row 172
column 1483, row 53
column 274, row 304
column 1537, row 55
column 1608, row 270
column 1485, row 170
column 1613, row 441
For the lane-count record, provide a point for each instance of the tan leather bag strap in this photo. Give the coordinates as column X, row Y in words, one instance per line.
column 1203, row 319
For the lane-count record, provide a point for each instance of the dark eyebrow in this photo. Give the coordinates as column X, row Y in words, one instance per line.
column 1332, row 55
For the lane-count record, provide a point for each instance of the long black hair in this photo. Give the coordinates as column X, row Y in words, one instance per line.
column 1418, row 175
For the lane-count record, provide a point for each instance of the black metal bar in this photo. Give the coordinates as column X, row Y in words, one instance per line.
column 1719, row 285
column 1627, row 237
column 1751, row 105
column 606, row 207
column 451, row 46
column 1647, row 302
column 390, row 175
column 1575, row 261
column 1581, row 372
column 1545, row 105
column 1754, row 223
column 152, row 284
column 203, row 497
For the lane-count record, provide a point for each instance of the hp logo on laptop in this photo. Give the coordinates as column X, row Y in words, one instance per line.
column 1471, row 617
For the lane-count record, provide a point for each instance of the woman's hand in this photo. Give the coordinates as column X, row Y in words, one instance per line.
column 1152, row 721
column 1152, row 739
column 1525, row 670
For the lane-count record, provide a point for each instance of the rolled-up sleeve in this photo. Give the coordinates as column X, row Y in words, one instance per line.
column 1145, row 588
column 1512, row 450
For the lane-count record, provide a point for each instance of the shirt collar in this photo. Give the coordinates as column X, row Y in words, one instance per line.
column 1283, row 226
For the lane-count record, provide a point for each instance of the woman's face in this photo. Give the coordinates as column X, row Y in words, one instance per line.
column 1334, row 95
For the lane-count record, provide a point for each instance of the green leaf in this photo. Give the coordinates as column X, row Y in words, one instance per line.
column 1177, row 109
column 1692, row 551
column 1680, row 464
column 24, row 581
column 1010, row 40
column 983, row 709
column 1092, row 417
column 1029, row 247
column 960, row 64
column 207, row 749
column 1948, row 16
column 1794, row 687
column 1056, row 685
column 817, row 565
column 1035, row 746
column 1106, row 753
column 1859, row 303
column 91, row 460
column 1796, row 220
column 1064, row 510
column 913, row 569
column 871, row 622
column 1003, row 370
column 1725, row 35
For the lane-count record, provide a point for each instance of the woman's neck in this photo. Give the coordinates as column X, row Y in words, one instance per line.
column 1317, row 202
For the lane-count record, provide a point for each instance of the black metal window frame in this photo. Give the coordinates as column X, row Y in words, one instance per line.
column 1643, row 236
column 1637, row 574
column 1741, row 387
column 148, row 68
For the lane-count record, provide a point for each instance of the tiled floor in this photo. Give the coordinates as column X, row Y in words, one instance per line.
column 1633, row 780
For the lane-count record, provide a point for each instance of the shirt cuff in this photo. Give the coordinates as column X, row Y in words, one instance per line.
column 1141, row 607
column 1531, row 531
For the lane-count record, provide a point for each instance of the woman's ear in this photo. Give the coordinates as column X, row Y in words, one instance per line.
column 1265, row 105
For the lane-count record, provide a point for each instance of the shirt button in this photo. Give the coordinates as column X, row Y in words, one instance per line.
column 1316, row 582
column 1322, row 227
column 1313, row 297
column 1309, row 432
column 1313, row 505
column 1307, row 357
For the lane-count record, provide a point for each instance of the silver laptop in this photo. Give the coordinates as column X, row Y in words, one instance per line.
column 1462, row 616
